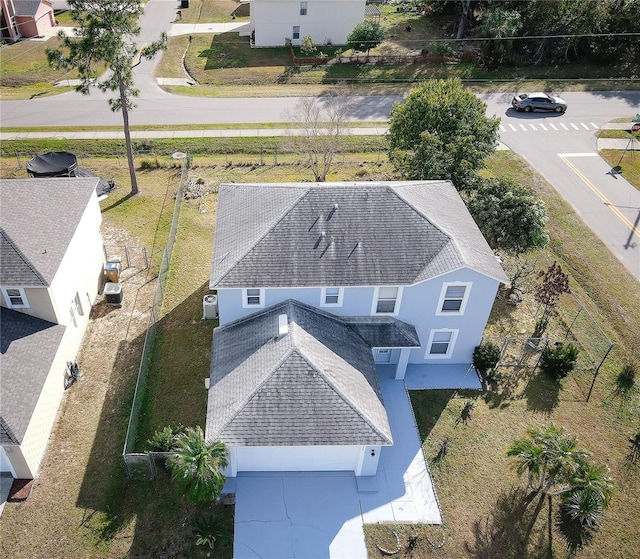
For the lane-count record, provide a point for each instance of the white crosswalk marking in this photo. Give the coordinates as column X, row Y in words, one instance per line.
column 533, row 127
column 574, row 126
column 548, row 127
column 502, row 128
column 595, row 126
column 543, row 127
column 523, row 127
column 512, row 127
column 553, row 126
column 584, row 126
column 563, row 126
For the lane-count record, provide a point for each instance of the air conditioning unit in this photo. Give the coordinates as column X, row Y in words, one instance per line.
column 113, row 293
column 210, row 306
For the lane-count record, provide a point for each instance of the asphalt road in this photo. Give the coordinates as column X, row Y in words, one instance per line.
column 561, row 147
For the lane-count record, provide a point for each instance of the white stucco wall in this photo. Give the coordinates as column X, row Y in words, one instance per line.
column 326, row 20
column 418, row 306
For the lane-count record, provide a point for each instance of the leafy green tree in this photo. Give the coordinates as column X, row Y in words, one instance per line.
column 485, row 358
column 104, row 32
column 510, row 215
column 196, row 465
column 501, row 24
column 441, row 131
column 558, row 360
column 365, row 36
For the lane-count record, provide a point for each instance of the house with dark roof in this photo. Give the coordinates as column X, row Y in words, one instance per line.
column 318, row 286
column 51, row 261
column 26, row 18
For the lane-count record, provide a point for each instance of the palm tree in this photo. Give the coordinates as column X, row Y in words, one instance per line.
column 556, row 466
column 196, row 465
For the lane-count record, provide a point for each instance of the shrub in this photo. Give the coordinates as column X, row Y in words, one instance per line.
column 164, row 439
column 485, row 358
column 308, row 46
column 559, row 360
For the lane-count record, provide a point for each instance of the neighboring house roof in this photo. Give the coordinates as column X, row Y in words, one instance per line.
column 27, row 7
column 343, row 234
column 315, row 385
column 28, row 346
column 36, row 228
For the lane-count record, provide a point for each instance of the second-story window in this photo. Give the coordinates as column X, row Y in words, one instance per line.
column 253, row 296
column 453, row 298
column 303, row 8
column 387, row 300
column 331, row 297
column 15, row 298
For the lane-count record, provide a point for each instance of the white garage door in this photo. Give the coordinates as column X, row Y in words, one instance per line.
column 296, row 458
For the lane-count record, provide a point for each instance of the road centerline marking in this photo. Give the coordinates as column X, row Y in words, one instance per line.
column 599, row 194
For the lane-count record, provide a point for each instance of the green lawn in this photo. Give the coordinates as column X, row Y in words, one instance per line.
column 96, row 513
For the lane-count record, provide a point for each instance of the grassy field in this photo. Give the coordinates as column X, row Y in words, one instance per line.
column 95, row 512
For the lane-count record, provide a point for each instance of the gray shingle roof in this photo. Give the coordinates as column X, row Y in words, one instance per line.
column 26, row 7
column 383, row 331
column 36, row 228
column 316, row 385
column 28, row 346
column 317, row 234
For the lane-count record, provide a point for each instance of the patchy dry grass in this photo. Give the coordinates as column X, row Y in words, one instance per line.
column 629, row 161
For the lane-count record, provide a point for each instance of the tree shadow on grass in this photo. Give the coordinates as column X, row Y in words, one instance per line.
column 542, row 393
column 428, row 406
column 512, row 530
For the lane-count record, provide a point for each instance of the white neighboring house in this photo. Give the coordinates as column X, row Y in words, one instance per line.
column 327, row 21
column 51, row 261
column 321, row 285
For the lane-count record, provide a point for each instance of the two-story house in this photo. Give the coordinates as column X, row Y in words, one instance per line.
column 327, row 21
column 51, row 261
column 26, row 18
column 319, row 284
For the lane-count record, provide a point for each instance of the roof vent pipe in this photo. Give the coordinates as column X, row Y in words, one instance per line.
column 283, row 325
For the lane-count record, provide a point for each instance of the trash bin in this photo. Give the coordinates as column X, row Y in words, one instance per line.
column 184, row 3
column 113, row 293
column 112, row 272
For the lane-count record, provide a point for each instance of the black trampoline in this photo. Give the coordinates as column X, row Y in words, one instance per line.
column 53, row 164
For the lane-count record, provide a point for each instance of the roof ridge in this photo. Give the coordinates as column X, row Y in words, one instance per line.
column 22, row 256
column 265, row 232
column 361, row 413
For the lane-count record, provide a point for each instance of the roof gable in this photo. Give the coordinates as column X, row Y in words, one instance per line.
column 28, row 346
column 261, row 384
column 344, row 234
column 38, row 220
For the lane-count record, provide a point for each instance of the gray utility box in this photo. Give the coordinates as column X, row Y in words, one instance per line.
column 113, row 293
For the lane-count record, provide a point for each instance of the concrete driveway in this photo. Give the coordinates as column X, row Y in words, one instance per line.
column 318, row 515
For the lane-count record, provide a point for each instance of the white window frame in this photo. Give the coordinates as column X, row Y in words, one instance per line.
column 324, row 295
column 396, row 308
column 24, row 302
column 303, row 8
column 245, row 298
column 450, row 347
column 293, row 33
column 443, row 296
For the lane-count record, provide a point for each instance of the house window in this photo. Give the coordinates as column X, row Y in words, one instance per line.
column 15, row 298
column 453, row 298
column 296, row 32
column 331, row 297
column 303, row 8
column 252, row 297
column 441, row 344
column 387, row 300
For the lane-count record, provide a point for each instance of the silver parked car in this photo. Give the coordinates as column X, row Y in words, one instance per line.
column 538, row 102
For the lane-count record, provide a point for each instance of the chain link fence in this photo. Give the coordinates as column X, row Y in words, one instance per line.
column 138, row 465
